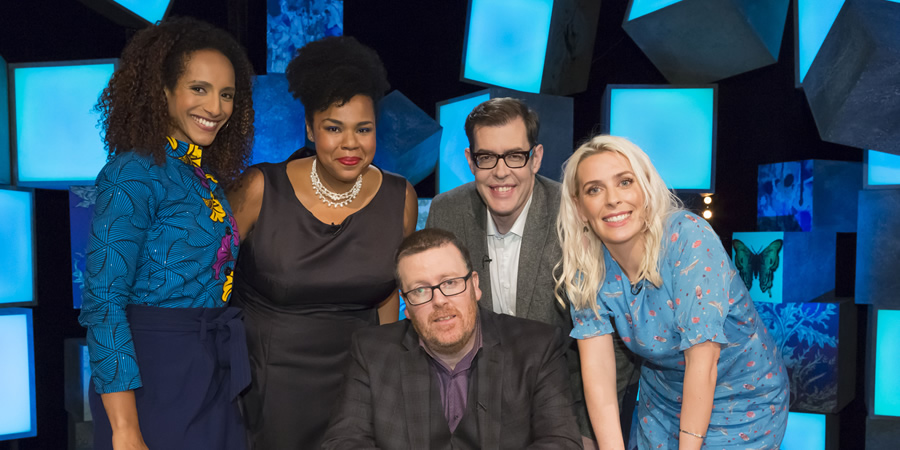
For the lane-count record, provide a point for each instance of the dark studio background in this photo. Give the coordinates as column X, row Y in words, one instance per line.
column 762, row 119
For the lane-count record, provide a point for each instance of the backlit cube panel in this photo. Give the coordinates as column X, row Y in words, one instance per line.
column 16, row 257
column 18, row 417
column 453, row 168
column 506, row 43
column 642, row 7
column 804, row 432
column 882, row 169
column 150, row 10
column 57, row 142
column 813, row 21
column 887, row 365
column 675, row 126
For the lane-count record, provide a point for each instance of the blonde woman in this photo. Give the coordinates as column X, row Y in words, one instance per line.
column 631, row 255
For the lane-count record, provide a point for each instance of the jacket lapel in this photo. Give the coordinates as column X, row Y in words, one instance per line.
column 416, row 382
column 490, row 383
column 538, row 233
column 476, row 240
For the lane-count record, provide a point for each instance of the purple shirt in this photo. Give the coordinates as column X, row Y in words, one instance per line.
column 455, row 382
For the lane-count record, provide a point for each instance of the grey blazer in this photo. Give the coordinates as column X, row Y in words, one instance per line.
column 523, row 398
column 463, row 212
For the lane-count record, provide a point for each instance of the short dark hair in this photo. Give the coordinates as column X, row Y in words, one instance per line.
column 501, row 111
column 332, row 71
column 428, row 239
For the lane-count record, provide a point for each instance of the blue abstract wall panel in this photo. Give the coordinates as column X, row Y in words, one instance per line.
column 851, row 85
column 813, row 20
column 453, row 167
column 818, row 344
column 701, row 41
column 291, row 24
column 18, row 416
column 279, row 122
column 77, row 379
column 556, row 115
column 408, row 139
column 886, row 398
column 58, row 97
column 5, row 169
column 882, row 170
column 81, row 210
column 785, row 267
column 17, row 279
column 878, row 248
column 809, row 195
column 675, row 126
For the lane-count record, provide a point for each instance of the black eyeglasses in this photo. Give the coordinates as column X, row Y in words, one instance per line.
column 424, row 294
column 513, row 160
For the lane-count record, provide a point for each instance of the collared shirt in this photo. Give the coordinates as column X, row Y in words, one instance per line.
column 454, row 383
column 503, row 250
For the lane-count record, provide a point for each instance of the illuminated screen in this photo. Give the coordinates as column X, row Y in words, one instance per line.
column 882, row 169
column 761, row 243
column 453, row 168
column 887, row 365
column 17, row 416
column 5, row 174
column 57, row 139
column 16, row 258
column 506, row 42
column 814, row 20
column 804, row 431
column 643, row 7
column 675, row 126
column 150, row 10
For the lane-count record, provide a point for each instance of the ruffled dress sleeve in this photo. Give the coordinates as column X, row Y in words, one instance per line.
column 588, row 323
column 701, row 276
column 122, row 216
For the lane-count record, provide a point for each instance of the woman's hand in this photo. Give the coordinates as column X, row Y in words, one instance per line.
column 598, row 370
column 128, row 439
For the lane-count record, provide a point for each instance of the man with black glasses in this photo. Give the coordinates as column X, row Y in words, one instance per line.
column 454, row 375
column 507, row 219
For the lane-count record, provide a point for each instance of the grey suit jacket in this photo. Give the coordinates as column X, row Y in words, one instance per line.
column 523, row 399
column 463, row 212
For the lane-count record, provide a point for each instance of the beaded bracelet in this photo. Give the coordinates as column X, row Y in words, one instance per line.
column 701, row 436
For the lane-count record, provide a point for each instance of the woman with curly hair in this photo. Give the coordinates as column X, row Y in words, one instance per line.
column 633, row 256
column 168, row 353
column 320, row 236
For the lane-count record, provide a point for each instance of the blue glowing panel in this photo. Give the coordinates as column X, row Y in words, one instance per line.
column 18, row 418
column 785, row 196
column 804, row 432
column 16, row 259
column 887, row 365
column 5, row 173
column 57, row 142
column 291, row 24
column 150, row 10
column 814, row 20
column 279, row 121
column 763, row 253
column 453, row 168
column 424, row 207
column 643, row 7
column 506, row 43
column 675, row 126
column 81, row 209
column 882, row 169
column 408, row 139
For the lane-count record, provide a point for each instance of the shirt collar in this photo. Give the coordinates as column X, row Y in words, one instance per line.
column 466, row 362
column 518, row 227
column 189, row 153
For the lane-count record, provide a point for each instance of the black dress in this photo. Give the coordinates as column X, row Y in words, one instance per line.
column 305, row 286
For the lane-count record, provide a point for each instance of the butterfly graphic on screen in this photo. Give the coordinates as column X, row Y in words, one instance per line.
column 757, row 264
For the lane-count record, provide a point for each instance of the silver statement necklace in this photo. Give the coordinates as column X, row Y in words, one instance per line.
column 333, row 199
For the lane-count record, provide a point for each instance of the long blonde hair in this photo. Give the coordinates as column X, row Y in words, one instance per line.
column 582, row 263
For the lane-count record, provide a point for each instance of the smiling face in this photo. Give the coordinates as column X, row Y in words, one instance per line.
column 203, row 98
column 345, row 140
column 610, row 200
column 445, row 324
column 504, row 190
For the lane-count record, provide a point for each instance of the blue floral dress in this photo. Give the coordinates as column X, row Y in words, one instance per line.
column 700, row 300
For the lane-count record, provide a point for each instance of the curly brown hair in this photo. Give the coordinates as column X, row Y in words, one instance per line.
column 133, row 107
column 332, row 71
